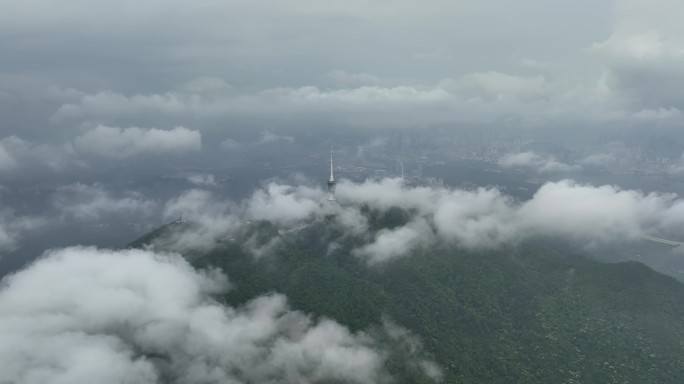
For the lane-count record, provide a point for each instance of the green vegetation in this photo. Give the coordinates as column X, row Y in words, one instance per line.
column 521, row 314
column 149, row 237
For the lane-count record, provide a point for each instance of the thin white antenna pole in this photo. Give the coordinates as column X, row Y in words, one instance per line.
column 332, row 178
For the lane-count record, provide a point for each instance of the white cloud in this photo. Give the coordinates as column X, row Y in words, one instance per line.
column 212, row 217
column 659, row 114
column 282, row 203
column 119, row 143
column 268, row 137
column 484, row 218
column 474, row 97
column 214, row 220
column 391, row 243
column 302, row 101
column 600, row 159
column 498, row 85
column 92, row 202
column 536, row 161
column 360, row 96
column 645, row 52
column 202, row 180
column 649, row 45
column 411, row 344
column 137, row 317
column 106, row 104
column 230, row 144
column 603, row 214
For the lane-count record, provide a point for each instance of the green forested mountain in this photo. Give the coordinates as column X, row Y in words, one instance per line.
column 518, row 314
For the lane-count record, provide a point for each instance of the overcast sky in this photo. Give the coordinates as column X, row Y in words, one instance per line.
column 89, row 85
column 94, row 84
column 212, row 66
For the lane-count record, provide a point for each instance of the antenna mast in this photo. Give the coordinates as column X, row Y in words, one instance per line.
column 331, row 181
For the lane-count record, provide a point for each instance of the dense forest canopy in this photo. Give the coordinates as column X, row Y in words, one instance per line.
column 519, row 313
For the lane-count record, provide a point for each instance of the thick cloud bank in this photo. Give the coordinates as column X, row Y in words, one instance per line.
column 484, row 218
column 83, row 315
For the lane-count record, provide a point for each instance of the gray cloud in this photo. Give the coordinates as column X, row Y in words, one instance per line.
column 475, row 97
column 118, row 143
column 215, row 219
column 13, row 228
column 91, row 202
column 678, row 166
column 414, row 347
column 202, row 179
column 7, row 161
column 204, row 67
column 18, row 154
column 497, row 85
column 80, row 313
column 644, row 53
column 600, row 159
column 230, row 144
column 540, row 163
column 345, row 79
column 268, row 137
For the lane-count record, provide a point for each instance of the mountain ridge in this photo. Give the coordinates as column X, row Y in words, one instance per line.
column 521, row 313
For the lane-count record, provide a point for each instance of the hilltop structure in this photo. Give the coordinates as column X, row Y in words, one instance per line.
column 331, row 181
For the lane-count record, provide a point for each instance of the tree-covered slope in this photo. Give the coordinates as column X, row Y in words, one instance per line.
column 519, row 314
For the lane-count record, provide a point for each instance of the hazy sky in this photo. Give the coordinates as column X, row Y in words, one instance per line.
column 91, row 85
column 219, row 66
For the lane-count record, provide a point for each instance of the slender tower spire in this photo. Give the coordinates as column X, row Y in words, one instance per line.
column 331, row 181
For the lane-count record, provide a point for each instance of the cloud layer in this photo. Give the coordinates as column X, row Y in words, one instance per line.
column 483, row 218
column 139, row 317
column 486, row 218
column 91, row 202
column 483, row 63
column 120, row 143
column 539, row 163
column 13, row 228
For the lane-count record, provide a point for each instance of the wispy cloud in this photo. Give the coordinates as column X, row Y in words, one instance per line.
column 119, row 143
